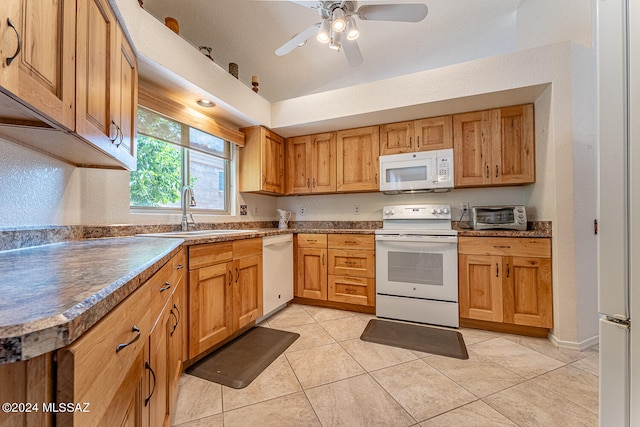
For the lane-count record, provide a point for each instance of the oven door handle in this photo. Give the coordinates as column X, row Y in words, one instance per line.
column 416, row 238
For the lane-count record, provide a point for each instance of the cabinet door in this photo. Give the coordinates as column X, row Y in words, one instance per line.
column 159, row 362
column 299, row 165
column 43, row 72
column 323, row 162
column 210, row 305
column 127, row 408
column 357, row 161
column 435, row 133
column 527, row 291
column 396, row 138
column 272, row 162
column 471, row 147
column 126, row 110
column 311, row 273
column 480, row 280
column 248, row 291
column 512, row 145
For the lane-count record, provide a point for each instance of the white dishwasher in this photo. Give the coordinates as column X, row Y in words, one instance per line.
column 277, row 273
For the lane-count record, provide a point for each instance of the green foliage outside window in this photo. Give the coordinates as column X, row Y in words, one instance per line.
column 157, row 181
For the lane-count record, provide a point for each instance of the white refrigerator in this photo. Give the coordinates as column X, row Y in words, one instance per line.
column 618, row 44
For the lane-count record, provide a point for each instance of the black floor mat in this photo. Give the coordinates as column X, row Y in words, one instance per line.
column 239, row 362
column 416, row 337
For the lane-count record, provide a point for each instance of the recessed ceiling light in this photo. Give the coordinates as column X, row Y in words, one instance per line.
column 206, row 103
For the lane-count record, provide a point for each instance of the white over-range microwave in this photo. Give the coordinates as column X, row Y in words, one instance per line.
column 423, row 171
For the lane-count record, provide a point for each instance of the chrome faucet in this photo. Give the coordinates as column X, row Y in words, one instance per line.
column 187, row 194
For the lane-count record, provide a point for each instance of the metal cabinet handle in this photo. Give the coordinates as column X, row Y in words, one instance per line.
column 410, row 143
column 136, row 338
column 418, row 141
column 179, row 267
column 237, row 274
column 322, row 259
column 496, row 171
column 314, row 183
column 153, row 374
column 179, row 315
column 496, row 269
column 166, row 287
column 230, row 277
column 174, row 326
column 487, row 171
column 118, row 134
column 308, row 182
column 10, row 59
column 508, row 270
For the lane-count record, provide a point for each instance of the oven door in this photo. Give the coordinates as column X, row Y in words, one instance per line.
column 417, row 266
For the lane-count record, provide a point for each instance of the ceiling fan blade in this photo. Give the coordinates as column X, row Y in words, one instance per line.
column 309, row 4
column 297, row 39
column 393, row 12
column 352, row 52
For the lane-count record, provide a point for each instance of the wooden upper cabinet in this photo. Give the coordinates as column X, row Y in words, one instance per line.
column 434, row 133
column 357, row 159
column 106, row 90
column 262, row 162
column 42, row 72
column 513, row 148
column 494, row 147
column 311, row 164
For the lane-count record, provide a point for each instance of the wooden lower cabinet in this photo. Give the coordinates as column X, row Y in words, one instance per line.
column 225, row 291
column 506, row 281
column 336, row 267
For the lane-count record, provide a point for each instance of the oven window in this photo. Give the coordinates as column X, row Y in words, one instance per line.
column 419, row 268
column 414, row 173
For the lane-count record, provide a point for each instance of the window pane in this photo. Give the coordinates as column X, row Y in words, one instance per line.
column 205, row 174
column 158, row 180
column 206, row 142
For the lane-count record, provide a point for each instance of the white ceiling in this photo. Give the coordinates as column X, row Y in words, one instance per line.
column 248, row 32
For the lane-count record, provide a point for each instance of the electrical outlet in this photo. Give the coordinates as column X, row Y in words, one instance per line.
column 356, row 210
column 255, row 210
column 464, row 206
column 302, row 211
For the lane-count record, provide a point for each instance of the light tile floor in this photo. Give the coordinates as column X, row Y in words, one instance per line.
column 329, row 377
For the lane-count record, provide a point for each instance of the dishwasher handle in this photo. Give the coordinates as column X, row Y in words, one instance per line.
column 277, row 240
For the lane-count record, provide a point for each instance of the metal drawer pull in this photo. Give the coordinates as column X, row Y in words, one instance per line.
column 502, row 247
column 179, row 267
column 166, row 287
column 351, row 242
column 153, row 374
column 349, row 263
column 10, row 60
column 496, row 171
column 311, row 241
column 508, row 270
column 496, row 269
column 418, row 139
column 487, row 171
column 136, row 338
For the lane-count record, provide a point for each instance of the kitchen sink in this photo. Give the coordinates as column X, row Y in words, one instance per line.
column 196, row 233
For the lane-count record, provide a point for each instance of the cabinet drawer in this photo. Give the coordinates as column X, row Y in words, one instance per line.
column 209, row 254
column 312, row 240
column 351, row 263
column 351, row 241
column 505, row 246
column 162, row 284
column 247, row 247
column 352, row 290
column 92, row 369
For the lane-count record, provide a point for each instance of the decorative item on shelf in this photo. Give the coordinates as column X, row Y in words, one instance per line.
column 233, row 69
column 254, row 83
column 206, row 51
column 172, row 23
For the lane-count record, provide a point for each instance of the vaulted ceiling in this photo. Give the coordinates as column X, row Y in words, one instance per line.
column 247, row 32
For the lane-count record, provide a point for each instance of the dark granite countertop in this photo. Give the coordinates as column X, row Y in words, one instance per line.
column 51, row 294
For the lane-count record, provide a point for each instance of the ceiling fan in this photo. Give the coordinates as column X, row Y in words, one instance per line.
column 338, row 26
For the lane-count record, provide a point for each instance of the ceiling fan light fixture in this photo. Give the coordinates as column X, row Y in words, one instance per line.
column 339, row 23
column 352, row 29
column 335, row 41
column 324, row 33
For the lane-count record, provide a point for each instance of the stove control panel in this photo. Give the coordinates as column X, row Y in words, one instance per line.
column 417, row 212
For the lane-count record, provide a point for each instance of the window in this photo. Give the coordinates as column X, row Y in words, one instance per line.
column 172, row 155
